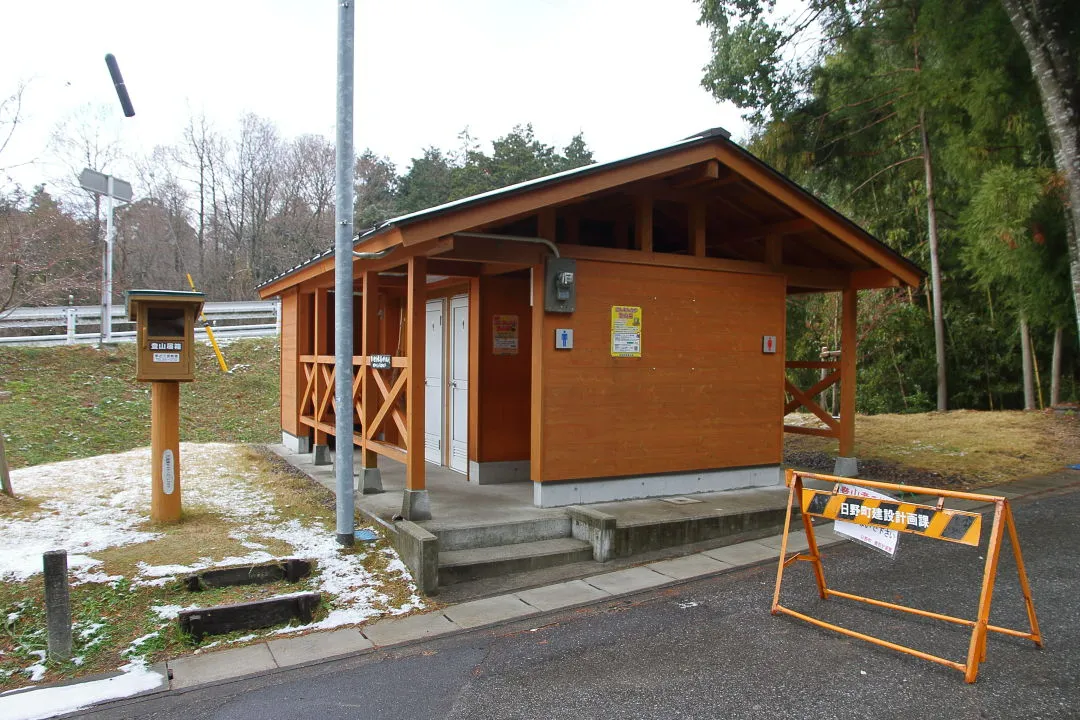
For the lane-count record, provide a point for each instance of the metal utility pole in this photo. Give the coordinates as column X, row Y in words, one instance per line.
column 343, row 277
column 113, row 189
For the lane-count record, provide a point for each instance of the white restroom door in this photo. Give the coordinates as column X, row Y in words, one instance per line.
column 458, row 411
column 433, row 383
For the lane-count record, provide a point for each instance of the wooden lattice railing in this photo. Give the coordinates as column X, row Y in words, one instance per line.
column 318, row 407
column 805, row 398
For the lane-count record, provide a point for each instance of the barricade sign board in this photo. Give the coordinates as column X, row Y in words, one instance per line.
column 951, row 525
column 850, row 501
column 872, row 535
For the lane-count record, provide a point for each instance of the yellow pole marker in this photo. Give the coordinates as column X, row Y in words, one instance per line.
column 210, row 332
column 165, row 451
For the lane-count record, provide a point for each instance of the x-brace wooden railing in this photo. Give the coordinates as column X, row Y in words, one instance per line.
column 805, row 398
column 318, row 406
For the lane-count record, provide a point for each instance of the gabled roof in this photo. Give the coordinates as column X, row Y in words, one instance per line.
column 728, row 152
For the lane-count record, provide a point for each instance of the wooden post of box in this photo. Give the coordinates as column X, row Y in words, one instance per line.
column 164, row 356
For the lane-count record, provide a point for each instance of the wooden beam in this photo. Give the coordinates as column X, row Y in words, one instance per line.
column 490, row 250
column 536, row 390
column 808, row 207
column 389, row 238
column 701, row 173
column 873, row 278
column 574, row 188
column 849, row 352
column 454, row 268
column 414, row 391
column 643, row 223
column 369, row 342
column 697, row 223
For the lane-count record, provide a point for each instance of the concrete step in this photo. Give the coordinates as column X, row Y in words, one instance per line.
column 457, row 566
column 453, row 538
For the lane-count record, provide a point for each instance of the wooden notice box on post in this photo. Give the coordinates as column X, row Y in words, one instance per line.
column 164, row 356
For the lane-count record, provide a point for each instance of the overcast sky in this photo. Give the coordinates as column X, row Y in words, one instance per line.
column 624, row 72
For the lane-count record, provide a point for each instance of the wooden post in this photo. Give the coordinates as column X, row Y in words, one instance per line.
column 369, row 317
column 643, row 224
column 415, row 504
column 546, row 224
column 848, row 354
column 319, row 350
column 5, row 475
column 774, row 251
column 165, row 451
column 697, row 223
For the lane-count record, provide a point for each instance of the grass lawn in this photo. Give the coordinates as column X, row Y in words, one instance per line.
column 970, row 447
column 241, row 506
column 79, row 401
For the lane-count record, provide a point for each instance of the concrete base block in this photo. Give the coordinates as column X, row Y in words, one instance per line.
column 415, row 505
column 419, row 550
column 320, row 455
column 301, row 445
column 577, row 492
column 846, row 467
column 596, row 528
column 491, row 473
column 368, row 481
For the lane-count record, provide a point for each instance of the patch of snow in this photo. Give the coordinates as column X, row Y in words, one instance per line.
column 37, row 670
column 132, row 648
column 245, row 638
column 167, row 612
column 89, row 631
column 51, row 701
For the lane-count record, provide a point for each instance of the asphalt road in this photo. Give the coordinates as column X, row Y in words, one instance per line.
column 710, row 649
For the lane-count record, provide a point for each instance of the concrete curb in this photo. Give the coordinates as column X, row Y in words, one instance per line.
column 270, row 656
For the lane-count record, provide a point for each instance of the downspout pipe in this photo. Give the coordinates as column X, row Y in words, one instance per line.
column 512, row 238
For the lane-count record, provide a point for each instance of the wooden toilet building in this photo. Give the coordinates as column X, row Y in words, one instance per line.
column 610, row 332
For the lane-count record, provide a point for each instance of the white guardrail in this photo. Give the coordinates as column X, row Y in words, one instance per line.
column 229, row 320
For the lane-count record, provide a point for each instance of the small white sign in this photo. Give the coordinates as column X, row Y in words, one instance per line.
column 168, row 472
column 167, row 357
column 878, row 538
column 768, row 344
column 564, row 339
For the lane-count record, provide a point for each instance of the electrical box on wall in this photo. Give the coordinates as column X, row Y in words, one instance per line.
column 560, row 284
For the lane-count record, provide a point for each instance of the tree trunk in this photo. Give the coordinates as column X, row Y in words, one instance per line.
column 935, row 268
column 1043, row 26
column 1025, row 355
column 1055, row 368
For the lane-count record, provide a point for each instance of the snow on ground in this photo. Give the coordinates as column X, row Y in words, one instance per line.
column 93, row 504
column 50, row 701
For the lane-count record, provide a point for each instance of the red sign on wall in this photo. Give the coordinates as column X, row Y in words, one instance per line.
column 768, row 344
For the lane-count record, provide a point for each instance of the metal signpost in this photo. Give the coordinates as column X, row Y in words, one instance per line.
column 113, row 189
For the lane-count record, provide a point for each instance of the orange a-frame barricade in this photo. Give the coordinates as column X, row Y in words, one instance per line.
column 934, row 521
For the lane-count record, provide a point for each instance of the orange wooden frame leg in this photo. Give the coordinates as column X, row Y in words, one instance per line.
column 977, row 646
column 1025, row 588
column 792, row 481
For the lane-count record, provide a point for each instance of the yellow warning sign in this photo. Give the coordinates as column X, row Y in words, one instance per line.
column 953, row 525
column 625, row 331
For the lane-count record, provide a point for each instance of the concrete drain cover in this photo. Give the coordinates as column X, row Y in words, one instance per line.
column 680, row 500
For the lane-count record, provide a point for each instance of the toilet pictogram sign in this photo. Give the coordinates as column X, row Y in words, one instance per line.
column 768, row 344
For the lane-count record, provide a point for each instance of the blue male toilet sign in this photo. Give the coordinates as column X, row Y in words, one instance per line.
column 564, row 339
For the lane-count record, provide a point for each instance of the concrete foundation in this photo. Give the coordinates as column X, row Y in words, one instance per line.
column 846, row 467
column 491, row 473
column 415, row 505
column 320, row 455
column 368, row 481
column 579, row 492
column 296, row 444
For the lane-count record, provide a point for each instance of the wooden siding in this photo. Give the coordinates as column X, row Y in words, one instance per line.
column 502, row 381
column 702, row 396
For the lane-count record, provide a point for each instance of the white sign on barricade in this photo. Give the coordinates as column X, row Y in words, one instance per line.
column 878, row 538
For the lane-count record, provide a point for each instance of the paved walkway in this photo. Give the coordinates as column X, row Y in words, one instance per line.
column 225, row 665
